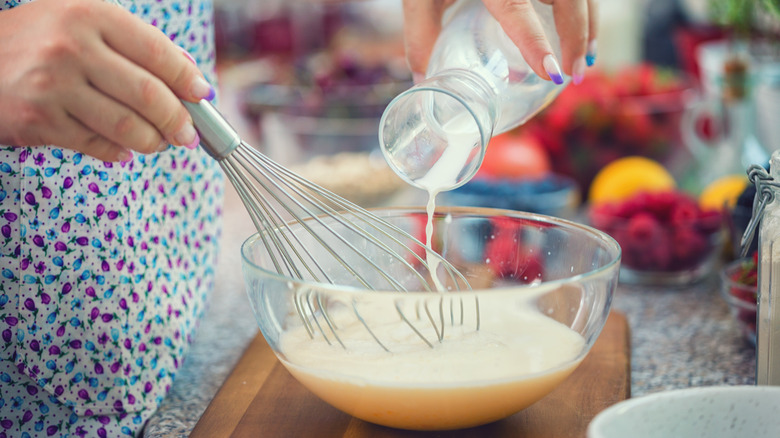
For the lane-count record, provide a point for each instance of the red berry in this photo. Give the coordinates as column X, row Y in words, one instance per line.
column 690, row 247
column 684, row 214
column 643, row 229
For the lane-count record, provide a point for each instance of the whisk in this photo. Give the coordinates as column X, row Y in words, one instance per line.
column 300, row 223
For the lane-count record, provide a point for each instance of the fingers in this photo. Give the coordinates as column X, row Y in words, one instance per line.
column 593, row 25
column 159, row 75
column 572, row 24
column 154, row 52
column 113, row 121
column 520, row 22
column 157, row 115
column 72, row 134
column 422, row 24
column 575, row 22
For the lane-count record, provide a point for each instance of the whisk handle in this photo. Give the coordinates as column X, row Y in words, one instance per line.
column 217, row 137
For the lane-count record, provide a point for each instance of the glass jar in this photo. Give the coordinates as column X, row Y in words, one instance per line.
column 766, row 217
column 434, row 135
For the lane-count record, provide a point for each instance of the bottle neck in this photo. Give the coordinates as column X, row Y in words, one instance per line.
column 454, row 111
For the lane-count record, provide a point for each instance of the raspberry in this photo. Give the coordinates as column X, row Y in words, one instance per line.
column 684, row 214
column 604, row 217
column 710, row 221
column 689, row 248
column 662, row 231
column 643, row 229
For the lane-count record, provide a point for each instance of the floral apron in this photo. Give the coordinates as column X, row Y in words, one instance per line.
column 104, row 269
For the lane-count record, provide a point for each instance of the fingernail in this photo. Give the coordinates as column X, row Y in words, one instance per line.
column 194, row 143
column 553, row 70
column 578, row 71
column 187, row 136
column 203, row 90
column 590, row 57
column 187, row 54
column 126, row 155
column 418, row 77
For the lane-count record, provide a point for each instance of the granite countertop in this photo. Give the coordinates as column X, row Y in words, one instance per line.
column 679, row 338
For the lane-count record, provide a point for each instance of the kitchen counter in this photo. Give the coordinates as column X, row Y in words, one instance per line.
column 679, row 338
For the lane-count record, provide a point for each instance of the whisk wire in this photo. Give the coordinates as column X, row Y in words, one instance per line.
column 316, row 216
column 260, row 220
column 342, row 207
column 271, row 193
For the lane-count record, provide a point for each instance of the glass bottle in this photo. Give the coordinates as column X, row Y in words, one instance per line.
column 434, row 135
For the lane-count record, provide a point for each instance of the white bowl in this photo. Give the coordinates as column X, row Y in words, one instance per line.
column 711, row 412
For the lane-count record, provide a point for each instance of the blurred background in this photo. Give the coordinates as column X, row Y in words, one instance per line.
column 684, row 96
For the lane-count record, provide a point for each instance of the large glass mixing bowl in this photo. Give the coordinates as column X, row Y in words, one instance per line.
column 541, row 290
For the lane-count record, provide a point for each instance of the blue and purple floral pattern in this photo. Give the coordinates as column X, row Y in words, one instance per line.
column 104, row 269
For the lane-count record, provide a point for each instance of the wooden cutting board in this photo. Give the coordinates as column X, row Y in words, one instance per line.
column 261, row 399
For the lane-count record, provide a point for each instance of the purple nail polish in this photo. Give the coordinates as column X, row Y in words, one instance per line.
column 550, row 65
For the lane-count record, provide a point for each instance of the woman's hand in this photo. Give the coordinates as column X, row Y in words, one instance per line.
column 90, row 76
column 575, row 22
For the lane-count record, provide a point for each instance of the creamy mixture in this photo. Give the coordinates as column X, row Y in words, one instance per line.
column 472, row 377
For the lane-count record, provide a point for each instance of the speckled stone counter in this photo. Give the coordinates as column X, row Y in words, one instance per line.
column 680, row 338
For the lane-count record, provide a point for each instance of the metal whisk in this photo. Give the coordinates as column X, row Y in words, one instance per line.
column 301, row 223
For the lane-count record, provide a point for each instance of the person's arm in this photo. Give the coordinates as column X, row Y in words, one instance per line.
column 90, row 76
column 575, row 22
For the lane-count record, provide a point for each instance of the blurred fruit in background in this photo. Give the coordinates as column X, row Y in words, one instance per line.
column 516, row 174
column 666, row 237
column 517, row 156
column 723, row 192
column 633, row 111
column 739, row 287
column 625, row 177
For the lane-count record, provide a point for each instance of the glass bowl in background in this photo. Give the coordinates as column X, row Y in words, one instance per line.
column 552, row 195
column 321, row 90
column 739, row 289
column 542, row 290
column 662, row 245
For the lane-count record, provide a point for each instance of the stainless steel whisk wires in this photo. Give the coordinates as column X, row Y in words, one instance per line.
column 371, row 252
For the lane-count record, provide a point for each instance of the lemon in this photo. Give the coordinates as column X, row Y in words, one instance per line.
column 624, row 177
column 723, row 192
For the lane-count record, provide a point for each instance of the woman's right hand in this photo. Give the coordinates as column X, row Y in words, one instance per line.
column 90, row 76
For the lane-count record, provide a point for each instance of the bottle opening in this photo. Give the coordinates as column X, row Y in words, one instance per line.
column 432, row 137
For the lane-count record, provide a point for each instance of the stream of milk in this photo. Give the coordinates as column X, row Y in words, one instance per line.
column 460, row 132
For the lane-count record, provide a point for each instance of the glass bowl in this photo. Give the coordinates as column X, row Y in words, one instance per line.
column 552, row 195
column 541, row 292
column 675, row 252
column 740, row 297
